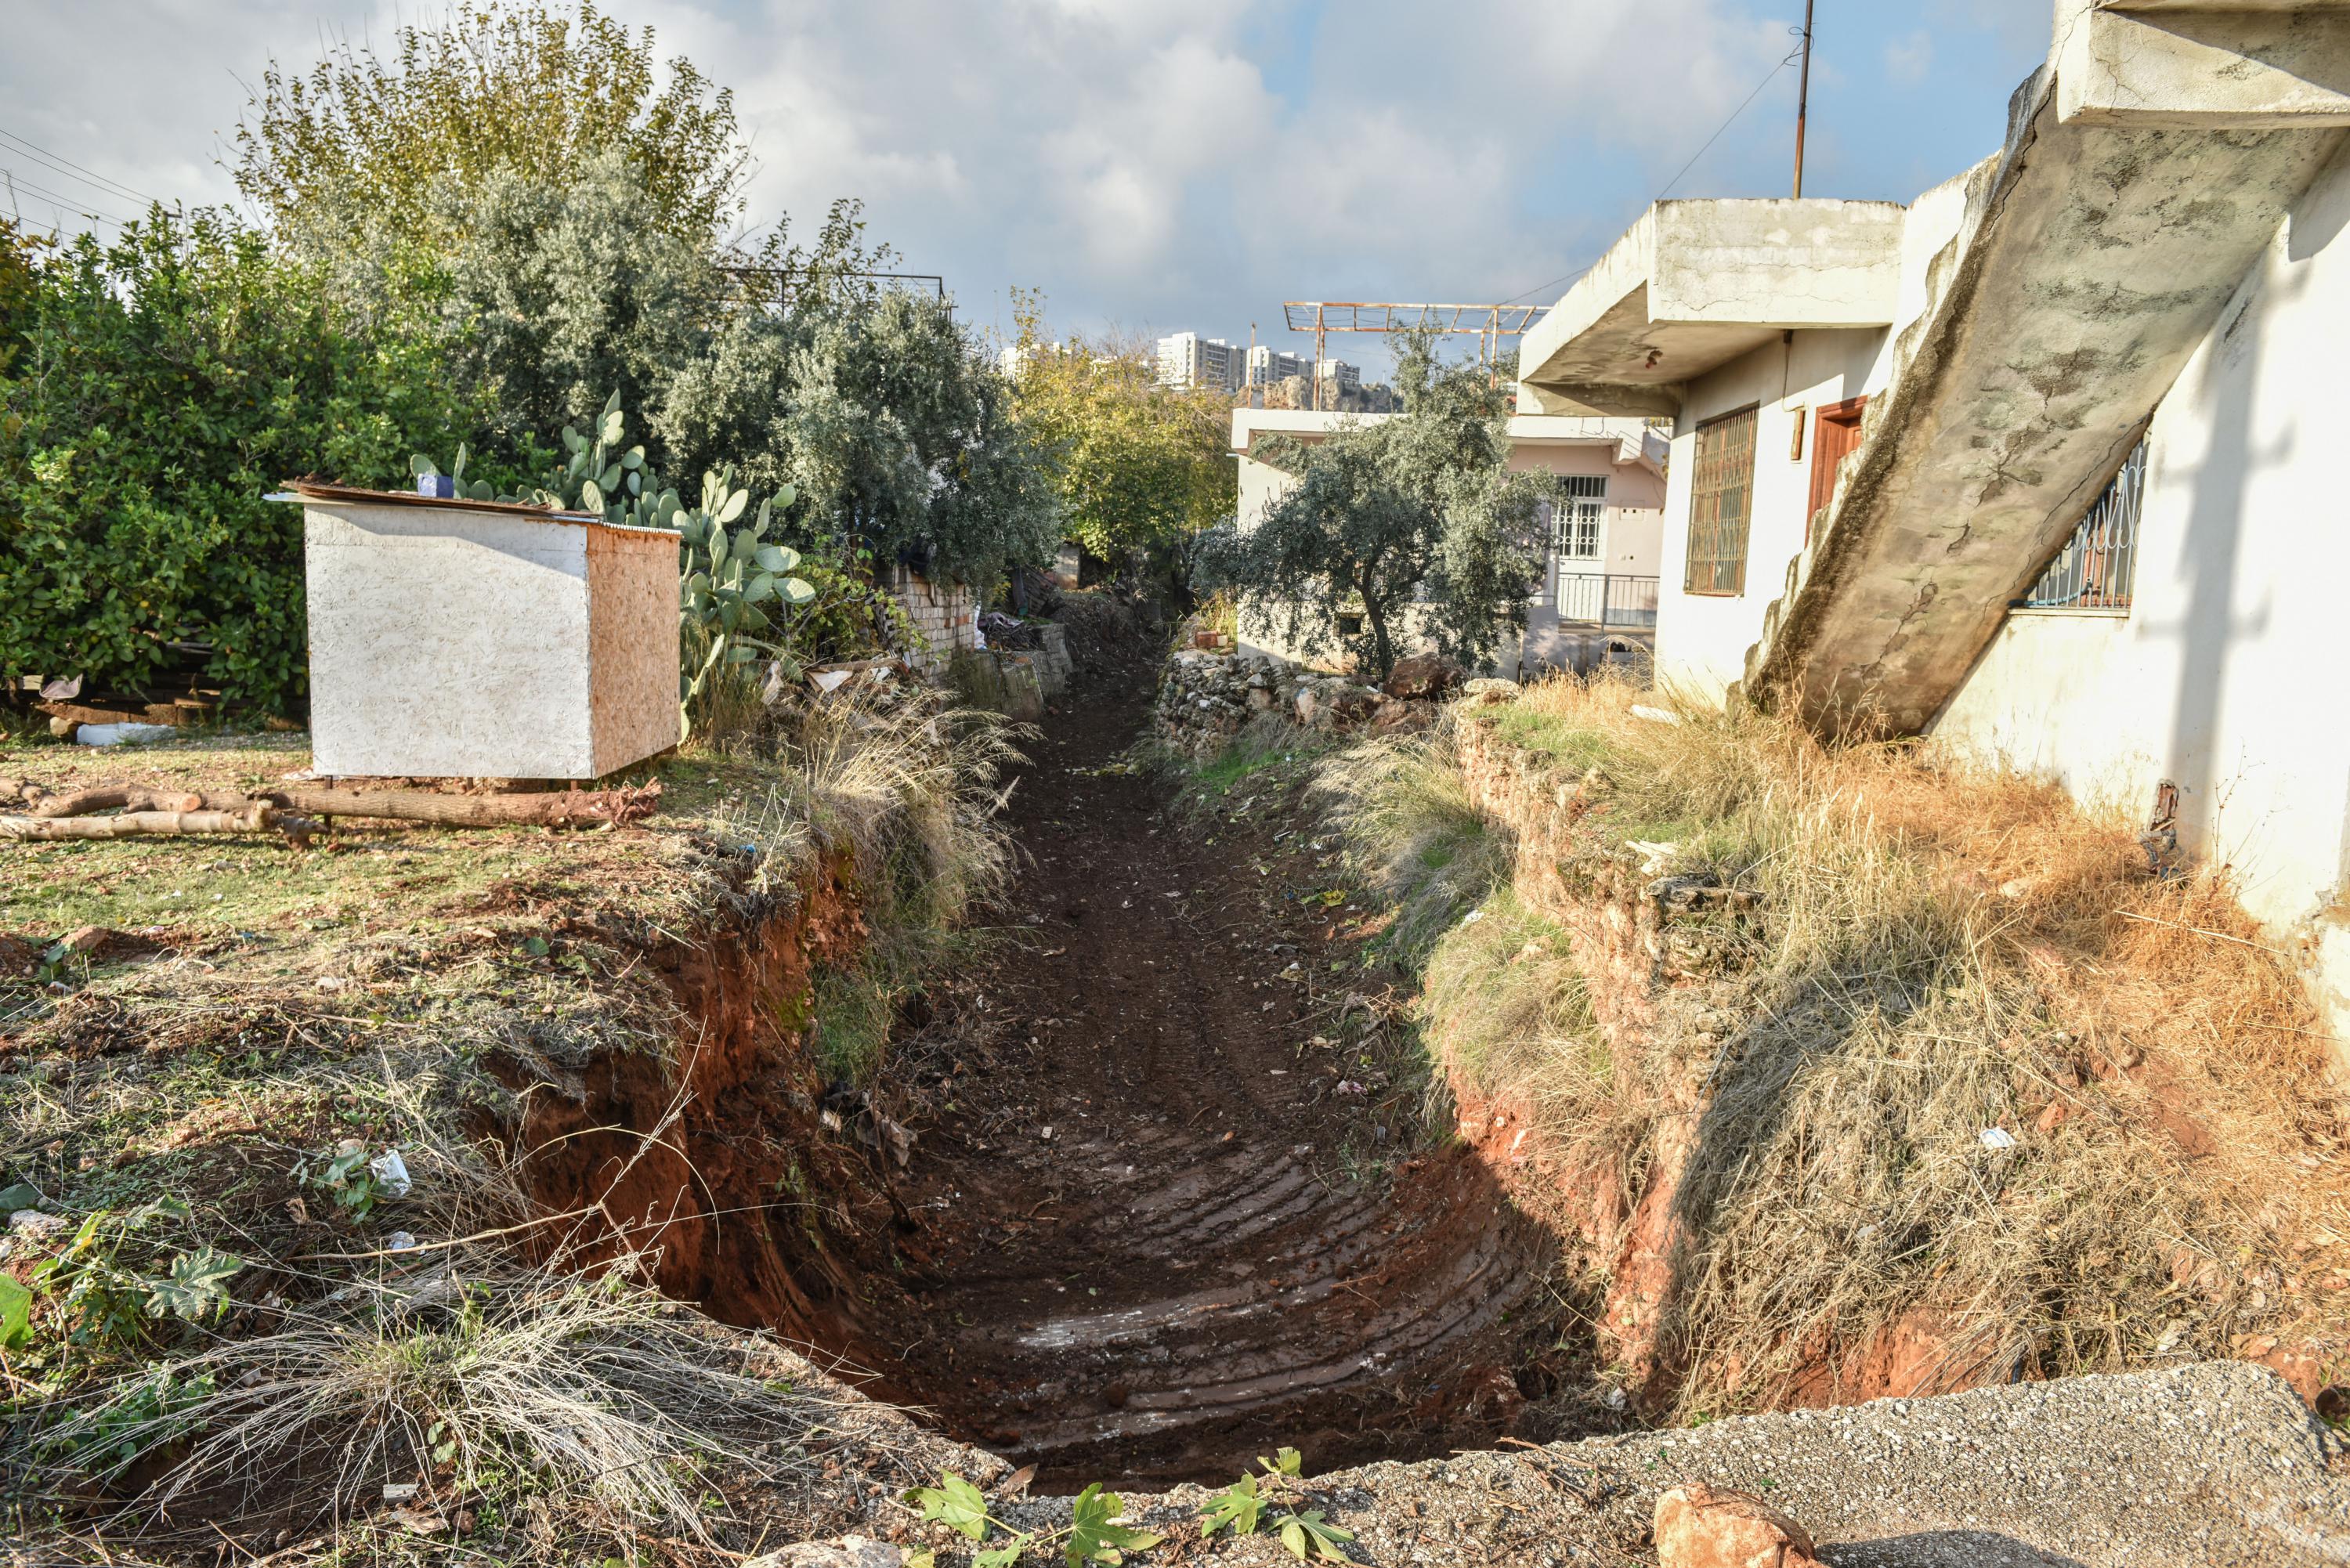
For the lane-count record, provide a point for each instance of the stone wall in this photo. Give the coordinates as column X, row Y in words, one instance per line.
column 1205, row 696
column 1017, row 682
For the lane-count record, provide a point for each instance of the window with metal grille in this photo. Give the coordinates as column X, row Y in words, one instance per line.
column 1574, row 516
column 2098, row 564
column 1721, row 504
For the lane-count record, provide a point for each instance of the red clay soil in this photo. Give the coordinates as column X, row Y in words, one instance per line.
column 1136, row 1251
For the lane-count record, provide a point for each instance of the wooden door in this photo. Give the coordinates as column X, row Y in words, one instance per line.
column 1835, row 435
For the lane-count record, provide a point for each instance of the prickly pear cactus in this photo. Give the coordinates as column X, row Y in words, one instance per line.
column 732, row 581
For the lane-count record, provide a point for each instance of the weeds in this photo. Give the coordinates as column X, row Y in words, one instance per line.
column 1411, row 831
column 1096, row 1531
column 1306, row 1533
column 1972, row 1086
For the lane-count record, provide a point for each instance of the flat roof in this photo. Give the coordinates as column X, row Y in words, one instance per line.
column 1693, row 285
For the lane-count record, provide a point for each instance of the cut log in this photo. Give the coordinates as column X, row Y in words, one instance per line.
column 564, row 808
column 256, row 817
column 132, row 797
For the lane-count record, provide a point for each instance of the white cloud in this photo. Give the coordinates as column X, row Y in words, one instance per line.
column 1168, row 163
column 1910, row 58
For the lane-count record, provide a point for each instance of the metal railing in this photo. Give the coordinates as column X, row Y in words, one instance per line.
column 1607, row 598
column 2097, row 567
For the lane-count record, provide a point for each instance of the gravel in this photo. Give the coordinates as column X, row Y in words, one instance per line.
column 2216, row 1463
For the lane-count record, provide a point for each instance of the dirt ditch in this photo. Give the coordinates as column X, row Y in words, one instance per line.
column 1164, row 1207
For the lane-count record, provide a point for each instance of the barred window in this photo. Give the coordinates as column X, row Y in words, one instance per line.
column 1574, row 516
column 1721, row 504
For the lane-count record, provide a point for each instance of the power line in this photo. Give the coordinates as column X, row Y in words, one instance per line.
column 14, row 183
column 1768, row 78
column 72, row 170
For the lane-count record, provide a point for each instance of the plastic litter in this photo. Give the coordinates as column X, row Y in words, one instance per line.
column 391, row 1174
column 115, row 734
column 1997, row 1137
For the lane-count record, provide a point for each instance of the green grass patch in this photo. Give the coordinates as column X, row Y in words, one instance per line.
column 1534, row 730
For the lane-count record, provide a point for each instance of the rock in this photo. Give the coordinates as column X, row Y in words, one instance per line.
column 1489, row 690
column 1704, row 1527
column 849, row 1552
column 1260, row 698
column 1308, row 705
column 1423, row 675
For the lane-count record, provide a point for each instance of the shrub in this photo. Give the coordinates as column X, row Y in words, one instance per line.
column 162, row 386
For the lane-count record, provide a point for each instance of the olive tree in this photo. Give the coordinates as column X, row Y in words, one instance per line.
column 1413, row 523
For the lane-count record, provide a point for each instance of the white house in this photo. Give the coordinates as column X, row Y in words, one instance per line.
column 2041, row 462
column 1598, row 597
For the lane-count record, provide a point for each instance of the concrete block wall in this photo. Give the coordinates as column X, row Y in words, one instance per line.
column 946, row 615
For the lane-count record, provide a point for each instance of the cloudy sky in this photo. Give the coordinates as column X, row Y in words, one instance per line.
column 1151, row 165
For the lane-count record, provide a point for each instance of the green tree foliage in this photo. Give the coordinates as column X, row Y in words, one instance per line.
column 515, row 89
column 1420, row 507
column 902, row 435
column 560, row 292
column 1138, row 467
column 160, row 387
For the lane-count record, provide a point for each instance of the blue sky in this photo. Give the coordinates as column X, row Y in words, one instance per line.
column 1156, row 165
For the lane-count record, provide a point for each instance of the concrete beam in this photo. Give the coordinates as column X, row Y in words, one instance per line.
column 1694, row 285
column 2241, row 66
column 2090, row 263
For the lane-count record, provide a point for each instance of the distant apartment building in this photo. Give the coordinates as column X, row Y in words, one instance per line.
column 1344, row 377
column 1267, row 366
column 1189, row 361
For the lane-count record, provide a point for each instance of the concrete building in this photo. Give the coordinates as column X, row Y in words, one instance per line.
column 2041, row 462
column 1339, row 374
column 1188, row 361
column 1597, row 599
column 1268, row 365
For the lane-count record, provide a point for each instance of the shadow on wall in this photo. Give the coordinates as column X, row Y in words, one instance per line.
column 2212, row 560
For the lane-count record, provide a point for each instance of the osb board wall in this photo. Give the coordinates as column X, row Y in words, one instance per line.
column 446, row 643
column 632, row 645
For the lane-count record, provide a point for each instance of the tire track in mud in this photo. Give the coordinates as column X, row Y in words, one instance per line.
column 1140, row 1254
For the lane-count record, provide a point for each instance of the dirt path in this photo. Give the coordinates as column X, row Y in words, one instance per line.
column 1143, row 1254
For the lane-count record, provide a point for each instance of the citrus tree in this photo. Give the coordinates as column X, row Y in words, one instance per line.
column 1140, row 468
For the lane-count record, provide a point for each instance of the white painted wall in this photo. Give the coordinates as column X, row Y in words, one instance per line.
column 1703, row 638
column 453, row 642
column 2228, row 674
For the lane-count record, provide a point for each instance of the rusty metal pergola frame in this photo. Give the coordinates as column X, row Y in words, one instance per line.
column 1490, row 323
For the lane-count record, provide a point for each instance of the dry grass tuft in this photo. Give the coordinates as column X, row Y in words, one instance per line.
column 1943, row 951
column 1412, row 831
column 911, row 794
column 470, row 1382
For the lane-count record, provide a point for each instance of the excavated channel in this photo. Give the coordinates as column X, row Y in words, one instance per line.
column 1146, row 1233
column 1144, row 1192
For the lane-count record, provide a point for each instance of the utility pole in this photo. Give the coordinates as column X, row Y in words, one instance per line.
column 1803, row 98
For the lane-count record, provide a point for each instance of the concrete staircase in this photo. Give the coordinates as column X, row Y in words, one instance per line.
column 2144, row 169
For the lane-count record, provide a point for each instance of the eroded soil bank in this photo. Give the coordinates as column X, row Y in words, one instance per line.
column 1169, row 1198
